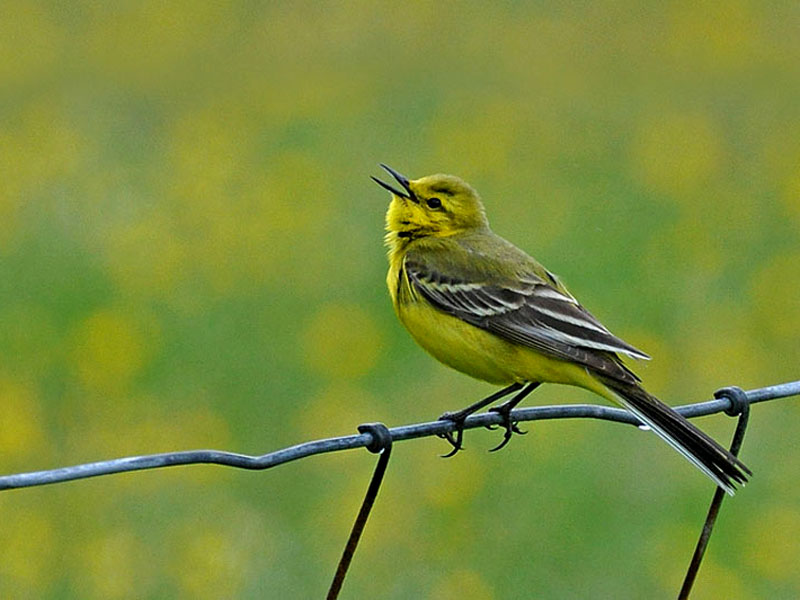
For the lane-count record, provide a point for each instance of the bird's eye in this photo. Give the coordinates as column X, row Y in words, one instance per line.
column 434, row 203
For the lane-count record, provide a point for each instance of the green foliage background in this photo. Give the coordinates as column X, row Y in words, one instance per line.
column 191, row 256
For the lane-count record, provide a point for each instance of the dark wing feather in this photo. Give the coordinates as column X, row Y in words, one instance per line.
column 530, row 312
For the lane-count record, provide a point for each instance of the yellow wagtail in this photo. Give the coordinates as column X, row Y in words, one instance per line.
column 482, row 306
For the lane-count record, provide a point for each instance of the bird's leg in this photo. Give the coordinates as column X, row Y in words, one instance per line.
column 458, row 417
column 504, row 410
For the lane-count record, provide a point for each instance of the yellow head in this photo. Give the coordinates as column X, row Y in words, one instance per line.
column 436, row 205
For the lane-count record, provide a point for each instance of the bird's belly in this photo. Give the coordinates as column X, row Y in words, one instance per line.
column 481, row 354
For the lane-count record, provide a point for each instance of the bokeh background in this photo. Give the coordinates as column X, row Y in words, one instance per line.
column 191, row 256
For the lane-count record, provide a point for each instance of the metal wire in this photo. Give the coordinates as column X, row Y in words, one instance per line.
column 740, row 406
column 349, row 442
column 383, row 446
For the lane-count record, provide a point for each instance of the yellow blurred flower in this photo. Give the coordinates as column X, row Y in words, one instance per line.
column 27, row 553
column 116, row 564
column 774, row 290
column 39, row 146
column 713, row 35
column 717, row 581
column 337, row 410
column 148, row 258
column 31, row 42
column 774, row 535
column 150, row 44
column 791, row 196
column 452, row 484
column 109, row 349
column 341, row 341
column 461, row 585
column 21, row 429
column 220, row 558
column 676, row 153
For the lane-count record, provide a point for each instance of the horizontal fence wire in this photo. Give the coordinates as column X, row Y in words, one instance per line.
column 349, row 442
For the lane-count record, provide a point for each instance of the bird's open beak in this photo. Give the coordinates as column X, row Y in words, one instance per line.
column 401, row 179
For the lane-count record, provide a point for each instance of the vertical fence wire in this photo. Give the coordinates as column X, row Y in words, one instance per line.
column 381, row 444
column 740, row 405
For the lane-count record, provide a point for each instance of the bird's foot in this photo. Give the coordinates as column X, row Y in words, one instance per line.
column 458, row 418
column 510, row 426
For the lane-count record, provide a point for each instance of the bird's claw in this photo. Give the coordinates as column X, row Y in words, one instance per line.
column 455, row 441
column 510, row 426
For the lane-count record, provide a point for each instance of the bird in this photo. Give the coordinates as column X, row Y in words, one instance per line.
column 482, row 306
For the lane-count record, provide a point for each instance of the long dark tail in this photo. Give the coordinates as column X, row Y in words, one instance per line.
column 707, row 455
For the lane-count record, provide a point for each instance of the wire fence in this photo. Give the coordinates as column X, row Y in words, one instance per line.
column 363, row 440
column 378, row 439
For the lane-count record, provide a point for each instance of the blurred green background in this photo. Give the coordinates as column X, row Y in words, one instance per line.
column 191, row 256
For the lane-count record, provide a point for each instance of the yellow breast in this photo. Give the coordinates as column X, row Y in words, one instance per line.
column 470, row 349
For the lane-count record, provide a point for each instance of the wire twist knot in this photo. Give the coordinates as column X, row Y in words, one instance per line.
column 739, row 402
column 381, row 437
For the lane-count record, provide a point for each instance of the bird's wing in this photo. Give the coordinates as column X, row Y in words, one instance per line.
column 528, row 308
